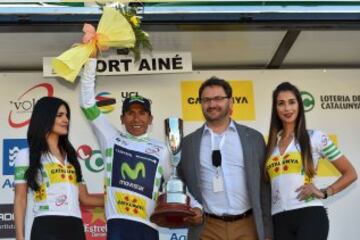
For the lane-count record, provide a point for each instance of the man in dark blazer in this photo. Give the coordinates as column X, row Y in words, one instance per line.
column 209, row 187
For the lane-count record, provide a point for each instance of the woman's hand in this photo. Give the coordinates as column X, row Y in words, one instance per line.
column 309, row 190
column 91, row 200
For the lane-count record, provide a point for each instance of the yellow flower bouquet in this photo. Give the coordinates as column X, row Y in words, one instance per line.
column 118, row 27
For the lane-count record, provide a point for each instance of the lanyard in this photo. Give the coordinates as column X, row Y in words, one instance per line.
column 216, row 147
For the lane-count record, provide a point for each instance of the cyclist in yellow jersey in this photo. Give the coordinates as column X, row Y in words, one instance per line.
column 293, row 153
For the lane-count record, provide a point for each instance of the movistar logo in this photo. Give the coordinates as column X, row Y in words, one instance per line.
column 308, row 100
column 132, row 173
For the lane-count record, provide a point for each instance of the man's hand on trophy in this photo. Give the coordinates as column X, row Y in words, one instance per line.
column 197, row 218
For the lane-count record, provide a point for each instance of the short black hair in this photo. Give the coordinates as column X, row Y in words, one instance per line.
column 215, row 81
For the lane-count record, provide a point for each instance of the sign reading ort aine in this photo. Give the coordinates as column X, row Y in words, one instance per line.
column 154, row 63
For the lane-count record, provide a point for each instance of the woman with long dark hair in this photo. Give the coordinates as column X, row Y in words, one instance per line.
column 293, row 154
column 49, row 167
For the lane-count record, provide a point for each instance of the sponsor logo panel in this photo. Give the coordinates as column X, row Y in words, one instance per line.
column 22, row 107
column 131, row 205
column 243, row 97
column 290, row 163
column 93, row 159
column 94, row 223
column 8, row 183
column 177, row 236
column 340, row 102
column 134, row 171
column 7, row 224
column 58, row 173
column 308, row 101
column 11, row 147
column 330, row 101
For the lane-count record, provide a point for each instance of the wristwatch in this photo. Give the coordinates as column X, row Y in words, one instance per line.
column 327, row 192
column 324, row 191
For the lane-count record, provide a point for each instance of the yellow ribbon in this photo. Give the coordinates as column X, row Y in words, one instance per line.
column 113, row 31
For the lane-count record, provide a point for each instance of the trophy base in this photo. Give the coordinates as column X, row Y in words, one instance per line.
column 171, row 215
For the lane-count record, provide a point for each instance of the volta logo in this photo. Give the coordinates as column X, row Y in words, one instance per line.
column 11, row 147
column 133, row 173
column 105, row 102
column 308, row 100
column 94, row 161
column 22, row 107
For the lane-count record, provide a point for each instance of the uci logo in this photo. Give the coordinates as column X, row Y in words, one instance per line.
column 22, row 108
column 93, row 158
column 308, row 100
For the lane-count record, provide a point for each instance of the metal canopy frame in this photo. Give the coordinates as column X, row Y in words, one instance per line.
column 293, row 17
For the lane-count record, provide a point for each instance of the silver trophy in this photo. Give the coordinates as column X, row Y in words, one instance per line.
column 173, row 205
column 175, row 188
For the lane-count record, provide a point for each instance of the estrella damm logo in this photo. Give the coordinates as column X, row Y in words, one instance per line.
column 93, row 159
column 105, row 102
column 94, row 222
column 127, row 171
column 308, row 101
column 243, row 97
column 131, row 205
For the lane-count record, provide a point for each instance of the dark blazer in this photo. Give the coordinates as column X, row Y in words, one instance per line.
column 253, row 146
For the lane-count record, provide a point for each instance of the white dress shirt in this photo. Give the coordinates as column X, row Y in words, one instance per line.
column 234, row 199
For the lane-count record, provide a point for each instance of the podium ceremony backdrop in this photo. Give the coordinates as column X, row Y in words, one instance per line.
column 332, row 102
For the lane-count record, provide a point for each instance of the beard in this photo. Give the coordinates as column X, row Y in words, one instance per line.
column 213, row 114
